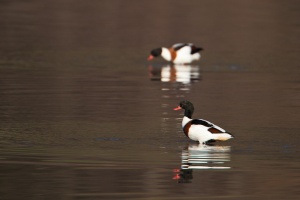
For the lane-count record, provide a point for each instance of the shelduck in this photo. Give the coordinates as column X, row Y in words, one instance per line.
column 199, row 129
column 181, row 53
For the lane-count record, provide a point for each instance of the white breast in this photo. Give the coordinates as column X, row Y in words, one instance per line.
column 185, row 120
column 166, row 54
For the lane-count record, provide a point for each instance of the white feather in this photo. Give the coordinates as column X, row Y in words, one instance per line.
column 202, row 134
column 165, row 53
column 184, row 55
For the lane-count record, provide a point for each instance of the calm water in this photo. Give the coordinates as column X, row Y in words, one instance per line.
column 84, row 116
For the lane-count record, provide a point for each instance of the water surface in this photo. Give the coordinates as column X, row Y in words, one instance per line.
column 83, row 115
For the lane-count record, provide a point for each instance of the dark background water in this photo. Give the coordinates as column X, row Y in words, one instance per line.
column 83, row 115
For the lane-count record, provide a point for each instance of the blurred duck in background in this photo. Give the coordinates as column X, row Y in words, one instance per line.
column 181, row 53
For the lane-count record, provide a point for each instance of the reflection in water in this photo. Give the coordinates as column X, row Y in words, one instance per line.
column 78, row 120
column 175, row 73
column 176, row 82
column 201, row 157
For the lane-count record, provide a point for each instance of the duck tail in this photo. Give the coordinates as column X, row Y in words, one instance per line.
column 224, row 136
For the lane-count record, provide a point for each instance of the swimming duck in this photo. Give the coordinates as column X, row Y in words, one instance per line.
column 199, row 129
column 181, row 53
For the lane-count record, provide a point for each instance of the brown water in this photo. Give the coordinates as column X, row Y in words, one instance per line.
column 84, row 116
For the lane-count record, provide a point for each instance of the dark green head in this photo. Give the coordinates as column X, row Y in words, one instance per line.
column 188, row 108
column 156, row 52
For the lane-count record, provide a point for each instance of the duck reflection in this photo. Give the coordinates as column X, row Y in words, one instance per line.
column 176, row 81
column 201, row 157
column 182, row 73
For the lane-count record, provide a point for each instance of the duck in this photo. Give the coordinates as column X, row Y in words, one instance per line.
column 180, row 53
column 200, row 130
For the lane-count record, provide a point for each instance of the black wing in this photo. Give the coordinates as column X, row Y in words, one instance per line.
column 212, row 128
column 178, row 46
column 195, row 49
column 201, row 122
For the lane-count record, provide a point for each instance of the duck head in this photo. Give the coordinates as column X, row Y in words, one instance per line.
column 187, row 106
column 155, row 53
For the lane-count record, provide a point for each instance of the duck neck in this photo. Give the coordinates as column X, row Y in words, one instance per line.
column 185, row 120
column 187, row 117
column 188, row 113
column 165, row 53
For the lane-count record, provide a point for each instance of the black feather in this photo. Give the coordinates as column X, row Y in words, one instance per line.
column 201, row 122
column 196, row 49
